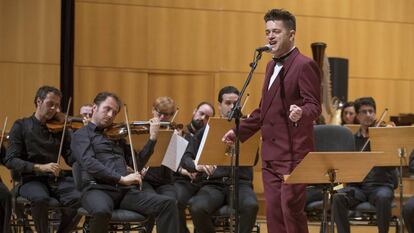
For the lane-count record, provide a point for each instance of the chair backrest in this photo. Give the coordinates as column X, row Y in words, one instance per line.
column 77, row 175
column 333, row 138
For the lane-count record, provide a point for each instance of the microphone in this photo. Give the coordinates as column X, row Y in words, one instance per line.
column 266, row 48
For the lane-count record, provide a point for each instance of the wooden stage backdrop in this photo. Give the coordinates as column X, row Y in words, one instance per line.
column 188, row 50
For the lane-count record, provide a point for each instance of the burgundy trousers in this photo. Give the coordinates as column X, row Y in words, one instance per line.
column 285, row 203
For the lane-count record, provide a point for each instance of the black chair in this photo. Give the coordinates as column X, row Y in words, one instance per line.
column 328, row 138
column 340, row 138
column 21, row 209
column 222, row 221
column 121, row 220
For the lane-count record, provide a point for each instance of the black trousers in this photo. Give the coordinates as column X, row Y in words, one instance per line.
column 40, row 190
column 5, row 208
column 185, row 190
column 379, row 196
column 101, row 202
column 211, row 197
column 165, row 190
column 408, row 214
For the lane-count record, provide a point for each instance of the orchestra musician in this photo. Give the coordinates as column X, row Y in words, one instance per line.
column 289, row 105
column 408, row 209
column 159, row 179
column 5, row 200
column 215, row 183
column 33, row 151
column 377, row 187
column 184, row 183
column 106, row 184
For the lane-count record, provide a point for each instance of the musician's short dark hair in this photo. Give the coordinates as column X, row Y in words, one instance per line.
column 206, row 103
column 227, row 90
column 283, row 15
column 369, row 101
column 44, row 90
column 102, row 96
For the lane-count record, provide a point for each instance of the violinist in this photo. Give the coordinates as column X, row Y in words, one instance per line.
column 86, row 112
column 106, row 183
column 377, row 187
column 33, row 152
column 5, row 200
column 215, row 191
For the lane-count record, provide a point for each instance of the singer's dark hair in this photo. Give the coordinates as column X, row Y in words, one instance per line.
column 369, row 101
column 280, row 14
column 227, row 90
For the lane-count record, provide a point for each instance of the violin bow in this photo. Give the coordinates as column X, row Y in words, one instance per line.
column 64, row 130
column 3, row 132
column 134, row 162
column 384, row 113
column 245, row 102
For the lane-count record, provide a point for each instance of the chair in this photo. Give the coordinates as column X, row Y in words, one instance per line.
column 121, row 220
column 339, row 138
column 221, row 219
column 328, row 138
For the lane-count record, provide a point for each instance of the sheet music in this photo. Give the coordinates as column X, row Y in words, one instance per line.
column 203, row 142
column 175, row 152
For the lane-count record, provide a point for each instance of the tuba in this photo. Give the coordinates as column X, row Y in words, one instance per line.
column 331, row 106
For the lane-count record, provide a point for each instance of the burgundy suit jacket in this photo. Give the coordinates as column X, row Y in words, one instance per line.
column 281, row 140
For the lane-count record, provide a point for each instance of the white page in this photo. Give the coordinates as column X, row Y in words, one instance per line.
column 175, row 152
column 203, row 141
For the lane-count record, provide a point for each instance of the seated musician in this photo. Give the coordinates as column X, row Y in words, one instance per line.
column 105, row 179
column 348, row 114
column 215, row 191
column 183, row 180
column 5, row 200
column 408, row 209
column 86, row 112
column 377, row 187
column 159, row 179
column 33, row 152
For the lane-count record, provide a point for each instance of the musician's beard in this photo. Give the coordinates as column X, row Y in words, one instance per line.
column 197, row 124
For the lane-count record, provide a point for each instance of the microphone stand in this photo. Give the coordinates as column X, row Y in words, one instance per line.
column 236, row 115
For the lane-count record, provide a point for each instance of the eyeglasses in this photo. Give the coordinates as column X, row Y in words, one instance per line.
column 367, row 111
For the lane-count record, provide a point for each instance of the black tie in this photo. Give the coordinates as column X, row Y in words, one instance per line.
column 282, row 58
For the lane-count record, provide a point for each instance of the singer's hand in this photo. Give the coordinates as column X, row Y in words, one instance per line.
column 229, row 138
column 295, row 113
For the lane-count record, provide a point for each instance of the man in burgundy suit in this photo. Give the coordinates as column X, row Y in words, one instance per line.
column 289, row 105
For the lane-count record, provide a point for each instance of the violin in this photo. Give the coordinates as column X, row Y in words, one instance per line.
column 56, row 124
column 120, row 130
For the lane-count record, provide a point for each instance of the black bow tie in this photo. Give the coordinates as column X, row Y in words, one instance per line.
column 282, row 58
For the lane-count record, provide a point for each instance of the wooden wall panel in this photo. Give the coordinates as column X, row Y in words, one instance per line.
column 130, row 86
column 30, row 31
column 19, row 83
column 394, row 95
column 111, row 35
column 183, row 39
column 188, row 90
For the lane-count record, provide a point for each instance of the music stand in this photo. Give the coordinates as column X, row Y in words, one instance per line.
column 395, row 142
column 213, row 151
column 163, row 140
column 330, row 168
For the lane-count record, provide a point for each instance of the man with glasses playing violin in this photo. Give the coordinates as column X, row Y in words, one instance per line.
column 106, row 183
column 377, row 187
column 33, row 152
